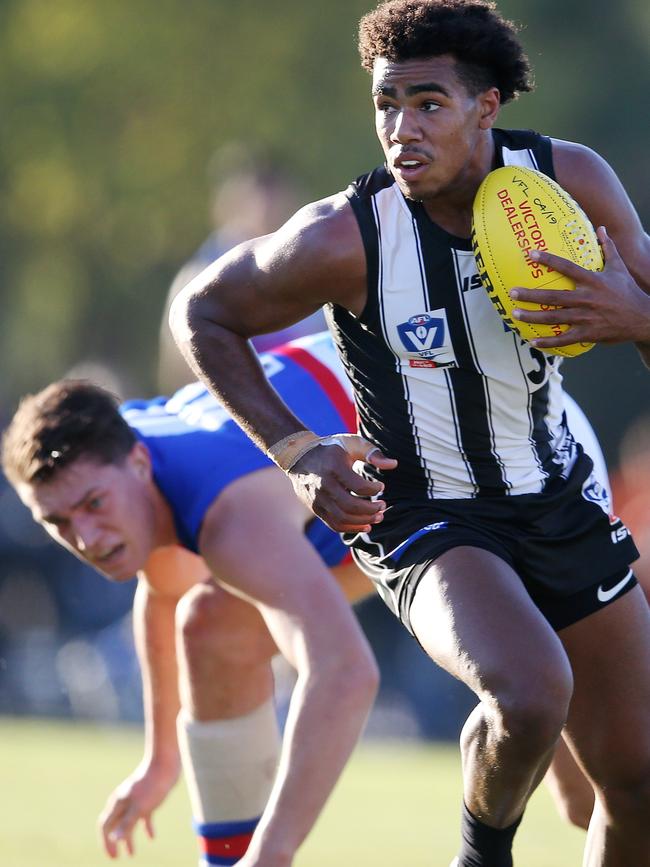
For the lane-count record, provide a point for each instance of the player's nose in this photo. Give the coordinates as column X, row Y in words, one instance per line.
column 406, row 128
column 87, row 536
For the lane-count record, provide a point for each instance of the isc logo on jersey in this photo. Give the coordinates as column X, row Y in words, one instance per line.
column 425, row 337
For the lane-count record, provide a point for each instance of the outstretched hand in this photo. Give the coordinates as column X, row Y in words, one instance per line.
column 133, row 801
column 326, row 481
column 605, row 307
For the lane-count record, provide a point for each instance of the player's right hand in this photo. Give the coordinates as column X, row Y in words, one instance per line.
column 325, row 480
column 605, row 306
column 134, row 800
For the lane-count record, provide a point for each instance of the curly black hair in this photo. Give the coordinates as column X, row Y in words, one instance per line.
column 69, row 419
column 485, row 44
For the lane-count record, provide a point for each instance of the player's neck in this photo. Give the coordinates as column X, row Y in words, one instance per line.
column 451, row 207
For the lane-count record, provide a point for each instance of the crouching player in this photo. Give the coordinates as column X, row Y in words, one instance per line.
column 173, row 491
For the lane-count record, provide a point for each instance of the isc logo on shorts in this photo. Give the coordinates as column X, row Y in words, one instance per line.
column 426, row 340
column 619, row 531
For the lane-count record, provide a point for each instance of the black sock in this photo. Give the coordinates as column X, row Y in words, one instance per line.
column 484, row 846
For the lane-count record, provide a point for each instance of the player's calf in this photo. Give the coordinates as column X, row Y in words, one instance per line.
column 227, row 729
column 229, row 768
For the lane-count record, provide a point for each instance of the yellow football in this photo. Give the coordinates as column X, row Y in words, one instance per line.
column 516, row 210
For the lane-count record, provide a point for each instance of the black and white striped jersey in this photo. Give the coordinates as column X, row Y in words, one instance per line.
column 467, row 407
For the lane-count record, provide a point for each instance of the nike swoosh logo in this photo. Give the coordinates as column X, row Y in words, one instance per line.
column 606, row 595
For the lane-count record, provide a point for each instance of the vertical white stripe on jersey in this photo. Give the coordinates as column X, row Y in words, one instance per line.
column 403, row 214
column 403, row 293
column 511, row 421
column 516, row 341
column 465, row 268
column 524, row 158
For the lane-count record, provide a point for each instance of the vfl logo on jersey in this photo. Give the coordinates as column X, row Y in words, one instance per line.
column 425, row 337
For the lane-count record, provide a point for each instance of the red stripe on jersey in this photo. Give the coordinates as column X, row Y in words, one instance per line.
column 234, row 846
column 327, row 381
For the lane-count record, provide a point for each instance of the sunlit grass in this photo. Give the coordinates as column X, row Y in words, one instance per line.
column 396, row 806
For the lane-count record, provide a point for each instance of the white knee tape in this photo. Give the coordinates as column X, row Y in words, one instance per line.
column 230, row 765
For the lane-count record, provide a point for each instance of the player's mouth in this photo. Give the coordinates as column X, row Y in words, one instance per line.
column 410, row 165
column 111, row 558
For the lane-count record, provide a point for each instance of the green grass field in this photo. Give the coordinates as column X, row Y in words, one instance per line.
column 396, row 806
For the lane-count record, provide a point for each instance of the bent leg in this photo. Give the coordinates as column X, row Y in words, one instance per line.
column 227, row 729
column 473, row 616
column 224, row 654
column 609, row 726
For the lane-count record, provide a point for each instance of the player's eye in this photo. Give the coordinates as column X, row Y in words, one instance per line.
column 95, row 503
column 385, row 107
column 430, row 105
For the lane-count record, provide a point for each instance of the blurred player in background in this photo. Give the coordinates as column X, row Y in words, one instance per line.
column 174, row 491
column 252, row 194
column 477, row 514
column 223, row 646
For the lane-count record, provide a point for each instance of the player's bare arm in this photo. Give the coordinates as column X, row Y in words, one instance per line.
column 264, row 285
column 169, row 572
column 611, row 306
column 249, row 546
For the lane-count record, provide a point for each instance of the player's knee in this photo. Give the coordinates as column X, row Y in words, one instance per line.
column 533, row 711
column 198, row 619
column 210, row 624
column 361, row 673
column 351, row 664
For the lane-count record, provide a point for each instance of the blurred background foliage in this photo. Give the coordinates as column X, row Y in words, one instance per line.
column 113, row 110
column 111, row 115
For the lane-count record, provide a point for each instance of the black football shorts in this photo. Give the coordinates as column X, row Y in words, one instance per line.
column 571, row 554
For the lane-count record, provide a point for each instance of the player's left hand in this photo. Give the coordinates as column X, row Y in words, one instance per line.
column 605, row 307
column 325, row 479
column 133, row 801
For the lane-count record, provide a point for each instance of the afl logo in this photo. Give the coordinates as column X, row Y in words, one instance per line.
column 422, row 333
column 425, row 339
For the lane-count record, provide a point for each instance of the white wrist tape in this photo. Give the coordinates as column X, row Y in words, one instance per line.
column 336, row 440
column 288, row 451
column 284, row 452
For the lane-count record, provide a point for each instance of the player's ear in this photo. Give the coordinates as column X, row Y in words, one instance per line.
column 140, row 460
column 489, row 105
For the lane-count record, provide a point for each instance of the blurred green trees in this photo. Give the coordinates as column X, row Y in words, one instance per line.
column 111, row 112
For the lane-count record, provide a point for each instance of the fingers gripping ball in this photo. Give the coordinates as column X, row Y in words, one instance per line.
column 516, row 210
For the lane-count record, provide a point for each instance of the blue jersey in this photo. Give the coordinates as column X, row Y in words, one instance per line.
column 197, row 449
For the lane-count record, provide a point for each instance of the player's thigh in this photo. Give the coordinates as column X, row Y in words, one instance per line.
column 474, row 617
column 609, row 717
